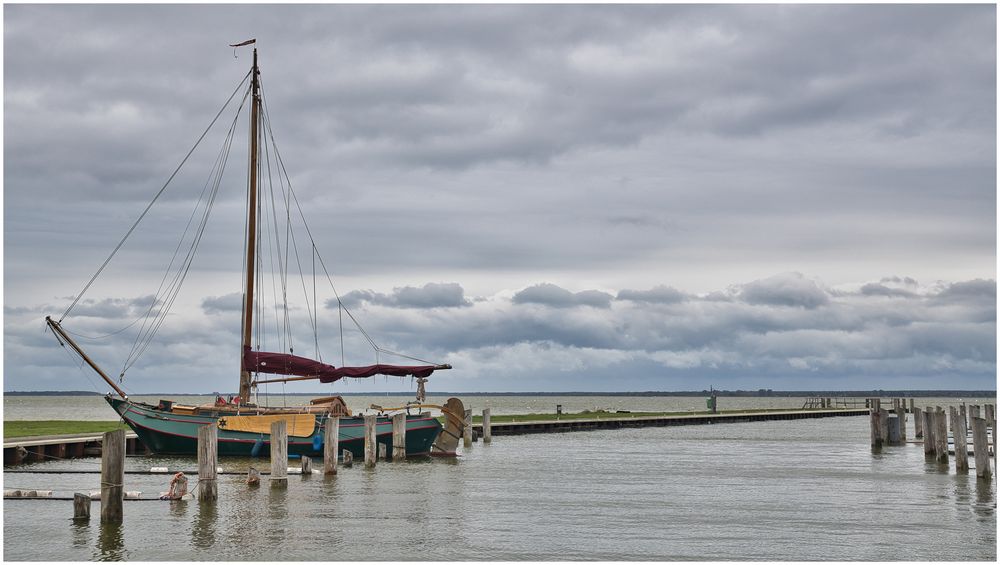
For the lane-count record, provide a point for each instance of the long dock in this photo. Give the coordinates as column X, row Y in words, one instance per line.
column 44, row 448
column 586, row 424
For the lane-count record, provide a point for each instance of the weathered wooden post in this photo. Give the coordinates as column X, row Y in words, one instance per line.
column 253, row 476
column 965, row 414
column 901, row 415
column 370, row 440
column 467, row 430
column 279, row 453
column 873, row 422
column 912, row 406
column 208, row 461
column 974, row 411
column 893, row 427
column 961, row 450
column 941, row 437
column 382, row 451
column 928, row 425
column 868, row 403
column 348, row 458
column 918, row 422
column 883, row 425
column 330, row 440
column 112, row 476
column 81, row 506
column 399, row 437
column 307, row 465
column 487, row 431
column 981, row 448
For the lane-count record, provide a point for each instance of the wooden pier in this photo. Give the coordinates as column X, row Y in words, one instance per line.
column 585, row 424
column 47, row 448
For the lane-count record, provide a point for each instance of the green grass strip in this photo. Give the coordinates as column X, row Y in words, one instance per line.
column 27, row 428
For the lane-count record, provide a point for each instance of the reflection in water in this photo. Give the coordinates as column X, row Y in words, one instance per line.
column 203, row 531
column 277, row 516
column 110, row 543
column 984, row 497
column 178, row 508
column 81, row 533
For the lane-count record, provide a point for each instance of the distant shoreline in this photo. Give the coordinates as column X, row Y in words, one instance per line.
column 730, row 393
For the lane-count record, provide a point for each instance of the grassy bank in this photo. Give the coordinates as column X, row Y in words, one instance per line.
column 26, row 428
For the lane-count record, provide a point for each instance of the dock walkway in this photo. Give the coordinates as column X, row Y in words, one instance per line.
column 578, row 424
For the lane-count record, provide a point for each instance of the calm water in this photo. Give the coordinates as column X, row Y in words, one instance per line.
column 791, row 490
column 96, row 408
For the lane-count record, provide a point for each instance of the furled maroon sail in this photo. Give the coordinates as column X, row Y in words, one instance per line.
column 286, row 364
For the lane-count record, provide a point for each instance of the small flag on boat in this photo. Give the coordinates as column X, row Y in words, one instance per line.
column 247, row 42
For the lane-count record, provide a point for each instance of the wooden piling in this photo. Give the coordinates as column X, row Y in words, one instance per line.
column 370, row 440
column 901, row 415
column 208, row 461
column 307, row 465
column 331, row 440
column 981, row 448
column 928, row 426
column 961, row 449
column 487, row 431
column 253, row 476
column 467, row 430
column 941, row 436
column 918, row 422
column 279, row 453
column 883, row 425
column 893, row 427
column 348, row 458
column 81, row 506
column 112, row 476
column 876, row 437
column 382, row 451
column 399, row 437
column 912, row 406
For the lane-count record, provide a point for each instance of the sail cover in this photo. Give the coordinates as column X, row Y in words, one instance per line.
column 287, row 364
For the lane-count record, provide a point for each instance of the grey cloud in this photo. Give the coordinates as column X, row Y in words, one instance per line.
column 555, row 296
column 220, row 304
column 431, row 295
column 656, row 295
column 876, row 289
column 788, row 289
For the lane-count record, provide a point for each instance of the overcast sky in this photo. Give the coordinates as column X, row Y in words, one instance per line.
column 559, row 198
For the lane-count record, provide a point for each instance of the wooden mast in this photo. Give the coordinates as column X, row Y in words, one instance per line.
column 251, row 230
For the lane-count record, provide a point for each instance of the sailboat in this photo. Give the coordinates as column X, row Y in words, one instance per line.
column 171, row 427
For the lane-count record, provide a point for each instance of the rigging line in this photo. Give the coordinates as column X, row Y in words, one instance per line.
column 276, row 249
column 305, row 224
column 219, row 162
column 407, row 356
column 168, row 296
column 309, row 233
column 150, row 205
column 185, row 265
column 81, row 336
column 315, row 307
column 289, row 234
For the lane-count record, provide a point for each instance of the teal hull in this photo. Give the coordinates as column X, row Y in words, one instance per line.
column 177, row 434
